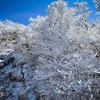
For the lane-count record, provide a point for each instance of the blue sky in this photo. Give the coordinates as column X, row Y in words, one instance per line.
column 21, row 10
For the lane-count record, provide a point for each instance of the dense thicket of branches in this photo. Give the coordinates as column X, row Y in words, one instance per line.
column 61, row 50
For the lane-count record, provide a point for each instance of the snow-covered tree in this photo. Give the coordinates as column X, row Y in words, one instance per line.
column 63, row 45
column 60, row 52
column 97, row 4
column 9, row 32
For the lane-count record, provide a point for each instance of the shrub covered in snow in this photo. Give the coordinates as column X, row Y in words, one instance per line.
column 55, row 57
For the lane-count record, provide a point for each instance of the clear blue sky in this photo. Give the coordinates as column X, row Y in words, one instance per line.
column 21, row 10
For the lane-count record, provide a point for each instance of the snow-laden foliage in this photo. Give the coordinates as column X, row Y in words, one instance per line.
column 54, row 57
column 97, row 4
column 9, row 32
